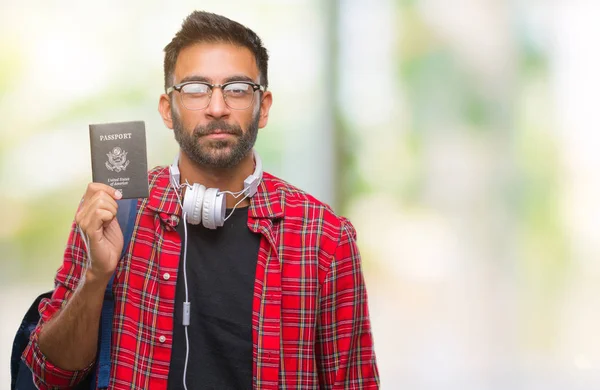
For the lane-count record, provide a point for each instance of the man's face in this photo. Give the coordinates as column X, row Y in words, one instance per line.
column 223, row 150
column 216, row 136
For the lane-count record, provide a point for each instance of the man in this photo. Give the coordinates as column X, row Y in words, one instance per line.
column 275, row 298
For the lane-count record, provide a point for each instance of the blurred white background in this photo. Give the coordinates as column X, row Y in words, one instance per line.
column 459, row 137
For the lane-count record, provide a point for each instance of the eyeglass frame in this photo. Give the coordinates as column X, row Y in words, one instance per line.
column 255, row 87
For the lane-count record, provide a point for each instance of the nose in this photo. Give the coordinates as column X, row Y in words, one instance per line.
column 216, row 107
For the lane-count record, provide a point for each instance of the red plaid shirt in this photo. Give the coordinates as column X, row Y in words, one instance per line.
column 310, row 320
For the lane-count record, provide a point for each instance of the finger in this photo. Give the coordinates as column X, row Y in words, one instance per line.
column 94, row 188
column 96, row 220
column 101, row 200
column 88, row 216
column 97, row 196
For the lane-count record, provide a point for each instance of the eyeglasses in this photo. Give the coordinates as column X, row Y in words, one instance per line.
column 195, row 95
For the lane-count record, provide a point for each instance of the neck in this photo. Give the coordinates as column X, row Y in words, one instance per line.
column 225, row 179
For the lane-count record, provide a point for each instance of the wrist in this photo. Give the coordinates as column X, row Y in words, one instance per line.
column 93, row 279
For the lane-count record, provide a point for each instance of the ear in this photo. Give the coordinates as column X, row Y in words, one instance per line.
column 265, row 106
column 164, row 108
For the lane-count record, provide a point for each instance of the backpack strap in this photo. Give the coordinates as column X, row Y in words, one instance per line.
column 19, row 372
column 126, row 215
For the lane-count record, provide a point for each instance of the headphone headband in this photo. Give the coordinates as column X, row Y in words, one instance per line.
column 250, row 183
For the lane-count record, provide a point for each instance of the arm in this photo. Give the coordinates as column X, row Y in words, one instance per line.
column 63, row 347
column 344, row 342
column 70, row 338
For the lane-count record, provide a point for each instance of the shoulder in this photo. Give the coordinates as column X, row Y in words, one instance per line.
column 162, row 199
column 293, row 197
column 158, row 175
column 159, row 181
column 305, row 209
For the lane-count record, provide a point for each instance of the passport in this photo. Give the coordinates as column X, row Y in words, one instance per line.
column 119, row 157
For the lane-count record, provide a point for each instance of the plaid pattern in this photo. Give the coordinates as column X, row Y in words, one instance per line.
column 310, row 321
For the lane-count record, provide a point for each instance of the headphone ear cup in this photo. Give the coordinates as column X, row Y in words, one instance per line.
column 219, row 210
column 208, row 209
column 192, row 203
column 213, row 211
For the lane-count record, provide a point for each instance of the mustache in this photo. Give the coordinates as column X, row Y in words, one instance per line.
column 217, row 126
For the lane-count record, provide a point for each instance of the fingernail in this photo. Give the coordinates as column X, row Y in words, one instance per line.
column 118, row 194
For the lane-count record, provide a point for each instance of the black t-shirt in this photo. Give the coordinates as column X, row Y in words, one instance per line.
column 221, row 267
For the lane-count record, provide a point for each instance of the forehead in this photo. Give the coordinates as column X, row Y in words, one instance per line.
column 216, row 62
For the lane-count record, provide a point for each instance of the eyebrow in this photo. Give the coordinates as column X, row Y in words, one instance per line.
column 194, row 78
column 229, row 79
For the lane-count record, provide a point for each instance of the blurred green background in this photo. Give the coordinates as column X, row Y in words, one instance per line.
column 458, row 137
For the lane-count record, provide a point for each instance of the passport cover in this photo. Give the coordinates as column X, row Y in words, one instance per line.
column 119, row 157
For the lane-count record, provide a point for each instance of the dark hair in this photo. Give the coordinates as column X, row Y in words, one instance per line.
column 200, row 27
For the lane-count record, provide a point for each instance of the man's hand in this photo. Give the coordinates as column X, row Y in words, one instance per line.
column 96, row 219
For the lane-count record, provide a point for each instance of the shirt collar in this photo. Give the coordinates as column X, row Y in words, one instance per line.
column 268, row 202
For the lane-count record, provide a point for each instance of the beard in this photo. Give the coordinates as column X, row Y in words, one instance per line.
column 225, row 153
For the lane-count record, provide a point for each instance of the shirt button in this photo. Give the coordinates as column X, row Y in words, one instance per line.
column 174, row 219
column 166, row 276
column 162, row 339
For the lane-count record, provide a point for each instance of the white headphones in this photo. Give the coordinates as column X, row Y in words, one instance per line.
column 207, row 205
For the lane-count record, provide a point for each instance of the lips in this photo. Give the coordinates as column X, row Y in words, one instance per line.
column 221, row 132
column 217, row 134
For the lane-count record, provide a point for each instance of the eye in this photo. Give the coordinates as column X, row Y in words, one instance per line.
column 195, row 89
column 237, row 89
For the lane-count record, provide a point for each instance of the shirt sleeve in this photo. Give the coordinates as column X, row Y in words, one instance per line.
column 45, row 374
column 344, row 340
